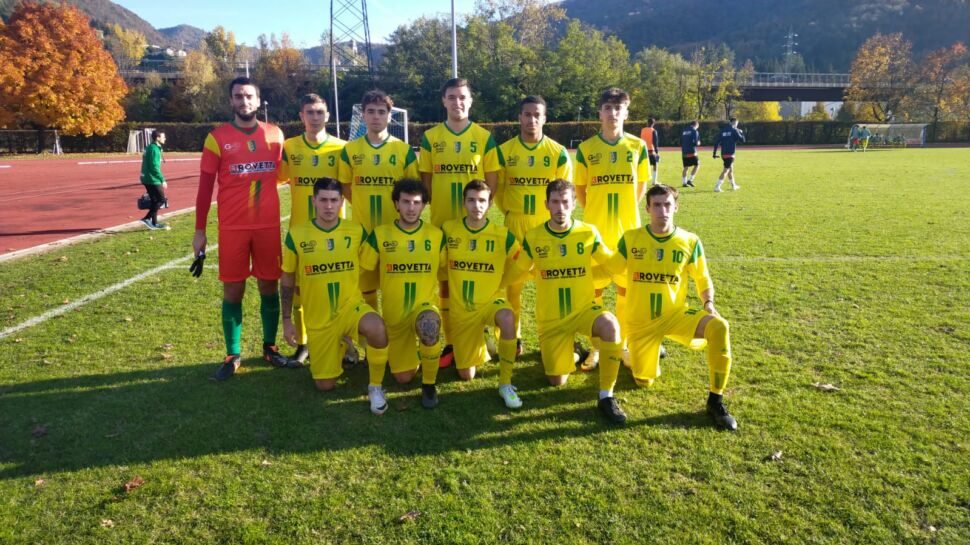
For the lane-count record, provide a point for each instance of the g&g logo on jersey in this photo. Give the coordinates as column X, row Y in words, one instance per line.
column 594, row 158
column 454, row 242
column 660, row 254
column 439, row 147
column 315, row 160
column 410, row 245
column 457, row 147
column 329, row 240
column 376, row 160
column 251, row 144
column 308, row 246
column 542, row 251
column 613, row 156
column 562, row 250
column 637, row 253
column 390, row 246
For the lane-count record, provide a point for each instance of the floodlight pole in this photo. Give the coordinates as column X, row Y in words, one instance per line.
column 454, row 43
column 336, row 101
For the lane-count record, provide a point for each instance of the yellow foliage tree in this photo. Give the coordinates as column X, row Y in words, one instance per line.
column 881, row 74
column 126, row 46
column 55, row 73
column 758, row 111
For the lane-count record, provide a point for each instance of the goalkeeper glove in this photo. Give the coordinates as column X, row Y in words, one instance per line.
column 196, row 267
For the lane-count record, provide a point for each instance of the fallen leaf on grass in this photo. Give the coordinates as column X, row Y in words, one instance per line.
column 18, row 340
column 165, row 356
column 128, row 318
column 266, row 463
column 107, row 523
column 826, row 387
column 774, row 457
column 408, row 517
column 39, row 483
column 168, row 346
column 134, row 483
column 62, row 259
column 39, row 431
column 65, row 301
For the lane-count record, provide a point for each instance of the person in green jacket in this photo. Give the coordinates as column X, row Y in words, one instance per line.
column 153, row 180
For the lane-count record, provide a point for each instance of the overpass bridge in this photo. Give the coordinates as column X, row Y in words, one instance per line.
column 785, row 86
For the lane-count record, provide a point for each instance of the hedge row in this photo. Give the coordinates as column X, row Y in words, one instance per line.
column 190, row 136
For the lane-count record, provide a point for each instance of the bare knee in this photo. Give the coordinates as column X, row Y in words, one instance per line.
column 325, row 385
column 557, row 380
column 428, row 327
column 607, row 328
column 373, row 329
column 403, row 378
column 233, row 292
column 467, row 374
column 505, row 320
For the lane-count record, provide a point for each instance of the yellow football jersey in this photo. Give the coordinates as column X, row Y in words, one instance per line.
column 656, row 270
column 527, row 171
column 611, row 172
column 369, row 172
column 563, row 268
column 408, row 262
column 326, row 266
column 454, row 159
column 303, row 164
column 476, row 261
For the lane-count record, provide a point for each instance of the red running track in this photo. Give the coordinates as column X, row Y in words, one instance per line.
column 43, row 201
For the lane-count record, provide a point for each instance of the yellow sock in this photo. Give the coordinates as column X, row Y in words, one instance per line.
column 371, row 299
column 514, row 293
column 506, row 360
column 621, row 317
column 445, row 318
column 376, row 363
column 298, row 321
column 609, row 364
column 429, row 362
column 718, row 353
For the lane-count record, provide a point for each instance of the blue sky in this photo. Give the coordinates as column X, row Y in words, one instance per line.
column 303, row 20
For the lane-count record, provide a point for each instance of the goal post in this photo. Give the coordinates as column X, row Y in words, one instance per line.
column 398, row 126
column 139, row 139
column 891, row 135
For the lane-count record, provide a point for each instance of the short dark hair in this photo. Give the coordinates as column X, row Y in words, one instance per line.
column 694, row 123
column 156, row 134
column 327, row 184
column 613, row 95
column 651, row 121
column 476, row 185
column 661, row 190
column 376, row 96
column 312, row 98
column 532, row 99
column 732, row 119
column 558, row 186
column 455, row 82
column 242, row 80
column 411, row 187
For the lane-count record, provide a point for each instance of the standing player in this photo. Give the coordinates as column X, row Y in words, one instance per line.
column 153, row 180
column 532, row 160
column 689, row 140
column 307, row 158
column 369, row 166
column 452, row 154
column 864, row 135
column 477, row 254
column 243, row 156
column 322, row 257
column 611, row 176
column 409, row 253
column 562, row 252
column 658, row 259
column 728, row 140
column 649, row 135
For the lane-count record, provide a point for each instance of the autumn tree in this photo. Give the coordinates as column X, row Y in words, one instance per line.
column 758, row 111
column 882, row 74
column 221, row 45
column 126, row 46
column 283, row 76
column 533, row 22
column 817, row 113
column 56, row 73
column 936, row 73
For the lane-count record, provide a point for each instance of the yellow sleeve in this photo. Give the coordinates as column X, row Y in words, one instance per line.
column 345, row 173
column 491, row 161
column 564, row 169
column 283, row 173
column 617, row 262
column 424, row 158
column 518, row 266
column 601, row 253
column 291, row 260
column 697, row 267
column 643, row 165
column 369, row 258
column 411, row 165
column 580, row 171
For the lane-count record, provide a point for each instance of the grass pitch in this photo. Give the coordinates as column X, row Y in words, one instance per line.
column 839, row 268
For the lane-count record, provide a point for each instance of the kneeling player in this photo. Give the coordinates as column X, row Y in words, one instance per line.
column 409, row 252
column 562, row 252
column 658, row 258
column 477, row 253
column 322, row 257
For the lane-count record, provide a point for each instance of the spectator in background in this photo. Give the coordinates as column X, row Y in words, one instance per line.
column 153, row 180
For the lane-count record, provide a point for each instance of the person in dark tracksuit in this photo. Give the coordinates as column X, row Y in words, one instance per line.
column 689, row 140
column 728, row 140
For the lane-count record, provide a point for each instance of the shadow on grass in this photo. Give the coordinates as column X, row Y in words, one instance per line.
column 169, row 413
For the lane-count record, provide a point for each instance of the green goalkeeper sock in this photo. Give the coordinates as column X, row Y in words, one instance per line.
column 232, row 325
column 269, row 311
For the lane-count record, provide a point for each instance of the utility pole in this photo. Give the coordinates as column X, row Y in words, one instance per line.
column 789, row 46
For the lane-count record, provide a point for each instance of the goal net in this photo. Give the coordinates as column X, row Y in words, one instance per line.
column 890, row 135
column 15, row 141
column 398, row 126
column 138, row 140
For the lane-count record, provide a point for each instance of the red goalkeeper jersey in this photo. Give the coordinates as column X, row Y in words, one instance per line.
column 245, row 162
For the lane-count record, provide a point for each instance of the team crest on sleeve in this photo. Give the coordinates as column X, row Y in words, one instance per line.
column 315, row 160
column 330, row 244
column 410, row 245
column 376, row 160
column 562, row 250
column 660, row 254
column 613, row 156
column 458, row 146
column 251, row 144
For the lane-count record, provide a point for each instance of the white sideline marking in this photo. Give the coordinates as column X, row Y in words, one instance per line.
column 173, row 264
column 125, row 161
column 5, row 166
